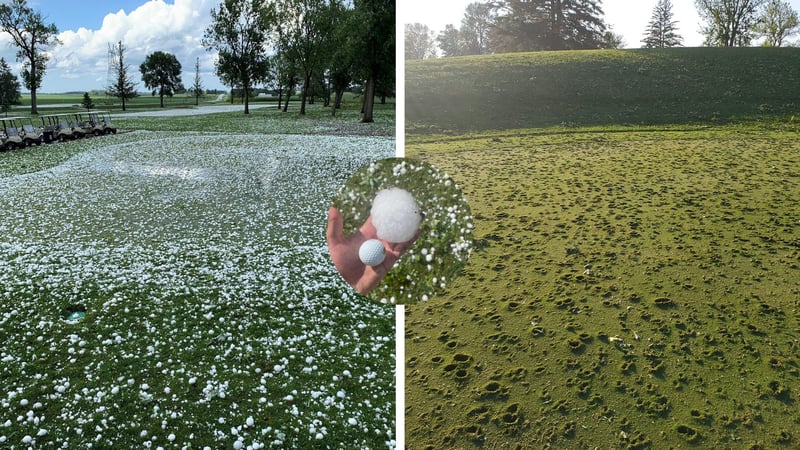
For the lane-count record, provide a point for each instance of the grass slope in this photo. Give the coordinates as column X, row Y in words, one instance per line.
column 601, row 87
column 634, row 287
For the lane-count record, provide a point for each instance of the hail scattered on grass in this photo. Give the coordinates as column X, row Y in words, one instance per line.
column 213, row 316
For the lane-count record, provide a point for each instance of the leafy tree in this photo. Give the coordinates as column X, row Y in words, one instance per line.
column 419, row 41
column 306, row 32
column 475, row 26
column 161, row 72
column 87, row 101
column 612, row 40
column 375, row 46
column 122, row 87
column 343, row 60
column 9, row 88
column 661, row 31
column 450, row 41
column 728, row 23
column 524, row 25
column 239, row 33
column 32, row 37
column 777, row 22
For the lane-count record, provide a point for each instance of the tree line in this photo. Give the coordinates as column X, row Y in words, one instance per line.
column 321, row 47
column 499, row 26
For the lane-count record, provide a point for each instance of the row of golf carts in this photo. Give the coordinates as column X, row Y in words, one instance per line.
column 18, row 132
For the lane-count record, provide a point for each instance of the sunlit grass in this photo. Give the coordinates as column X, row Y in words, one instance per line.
column 213, row 316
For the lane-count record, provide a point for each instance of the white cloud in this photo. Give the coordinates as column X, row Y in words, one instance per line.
column 81, row 62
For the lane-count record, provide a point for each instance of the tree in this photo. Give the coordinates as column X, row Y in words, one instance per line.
column 525, row 25
column 239, row 33
column 375, row 46
column 777, row 22
column 122, row 87
column 613, row 40
column 32, row 37
column 9, row 88
column 87, row 101
column 450, row 41
column 728, row 23
column 197, row 87
column 306, row 32
column 475, row 26
column 161, row 72
column 419, row 42
column 661, row 31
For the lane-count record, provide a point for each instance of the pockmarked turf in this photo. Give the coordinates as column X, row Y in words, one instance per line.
column 213, row 317
column 629, row 289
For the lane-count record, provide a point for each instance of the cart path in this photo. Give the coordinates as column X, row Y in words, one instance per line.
column 190, row 111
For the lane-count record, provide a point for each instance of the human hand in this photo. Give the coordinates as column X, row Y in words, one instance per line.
column 344, row 252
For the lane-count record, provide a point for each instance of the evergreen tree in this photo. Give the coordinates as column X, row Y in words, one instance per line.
column 661, row 31
column 87, row 101
column 122, row 86
column 525, row 25
column 9, row 88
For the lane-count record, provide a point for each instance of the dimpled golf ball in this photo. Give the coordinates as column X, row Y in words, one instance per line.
column 372, row 252
column 395, row 215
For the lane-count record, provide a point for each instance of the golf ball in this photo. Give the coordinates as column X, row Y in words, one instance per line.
column 395, row 215
column 372, row 252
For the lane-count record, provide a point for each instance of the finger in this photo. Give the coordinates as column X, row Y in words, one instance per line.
column 334, row 233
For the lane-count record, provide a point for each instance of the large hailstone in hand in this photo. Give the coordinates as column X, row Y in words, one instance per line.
column 395, row 215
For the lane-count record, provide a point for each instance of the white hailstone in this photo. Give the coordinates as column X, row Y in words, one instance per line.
column 249, row 422
column 192, row 380
column 238, row 445
column 171, row 437
column 41, row 432
column 115, row 390
column 395, row 215
column 23, row 402
column 352, row 421
column 319, row 436
column 27, row 439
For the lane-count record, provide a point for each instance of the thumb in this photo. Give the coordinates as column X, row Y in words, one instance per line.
column 334, row 233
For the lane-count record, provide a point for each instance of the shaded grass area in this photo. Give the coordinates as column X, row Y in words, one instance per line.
column 634, row 288
column 318, row 120
column 602, row 87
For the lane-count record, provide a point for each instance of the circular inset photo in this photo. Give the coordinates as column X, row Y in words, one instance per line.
column 399, row 230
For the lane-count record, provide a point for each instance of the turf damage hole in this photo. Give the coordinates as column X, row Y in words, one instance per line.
column 73, row 313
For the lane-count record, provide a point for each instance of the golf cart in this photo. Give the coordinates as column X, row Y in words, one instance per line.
column 56, row 128
column 31, row 134
column 11, row 134
column 101, row 122
column 80, row 127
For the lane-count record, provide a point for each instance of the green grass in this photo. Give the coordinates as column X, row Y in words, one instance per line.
column 608, row 87
column 214, row 316
column 633, row 286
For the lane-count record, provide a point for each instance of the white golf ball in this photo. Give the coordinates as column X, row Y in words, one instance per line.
column 372, row 252
column 395, row 215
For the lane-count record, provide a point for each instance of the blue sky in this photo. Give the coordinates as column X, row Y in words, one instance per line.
column 87, row 27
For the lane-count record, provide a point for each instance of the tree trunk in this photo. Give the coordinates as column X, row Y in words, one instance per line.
column 337, row 102
column 246, row 99
column 288, row 96
column 280, row 96
column 369, row 99
column 304, row 95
